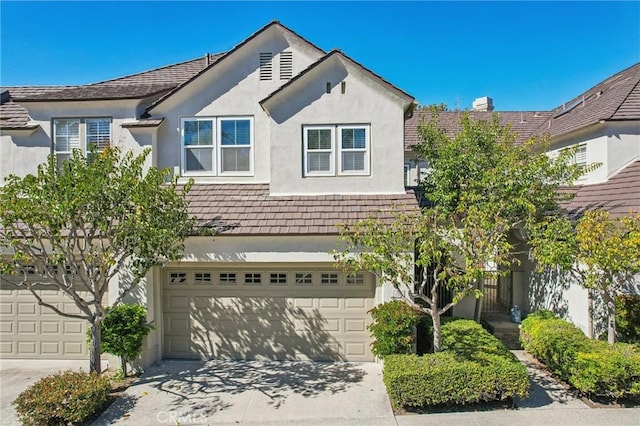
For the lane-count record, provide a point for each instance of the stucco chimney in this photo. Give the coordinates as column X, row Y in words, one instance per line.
column 484, row 103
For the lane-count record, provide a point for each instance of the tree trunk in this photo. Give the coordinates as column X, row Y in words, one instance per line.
column 437, row 331
column 94, row 349
column 477, row 314
column 123, row 363
column 611, row 318
column 590, row 332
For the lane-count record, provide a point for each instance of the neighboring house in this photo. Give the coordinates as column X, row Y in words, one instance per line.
column 283, row 141
column 604, row 124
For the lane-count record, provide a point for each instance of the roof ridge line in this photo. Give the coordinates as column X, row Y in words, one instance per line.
column 199, row 58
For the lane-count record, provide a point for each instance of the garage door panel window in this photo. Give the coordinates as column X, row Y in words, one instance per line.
column 228, row 278
column 278, row 279
column 329, row 279
column 202, row 278
column 178, row 278
column 253, row 278
column 355, row 279
column 304, row 278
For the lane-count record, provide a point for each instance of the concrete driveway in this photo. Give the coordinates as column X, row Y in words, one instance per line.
column 18, row 374
column 218, row 392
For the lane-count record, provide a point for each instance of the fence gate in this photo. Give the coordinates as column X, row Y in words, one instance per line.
column 497, row 294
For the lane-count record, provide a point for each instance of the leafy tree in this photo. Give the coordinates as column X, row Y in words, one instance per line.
column 481, row 186
column 123, row 331
column 78, row 227
column 600, row 252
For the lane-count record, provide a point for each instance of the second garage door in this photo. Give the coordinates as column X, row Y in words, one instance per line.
column 271, row 314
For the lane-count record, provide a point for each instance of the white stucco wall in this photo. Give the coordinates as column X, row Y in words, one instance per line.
column 363, row 102
column 231, row 88
column 22, row 152
column 614, row 144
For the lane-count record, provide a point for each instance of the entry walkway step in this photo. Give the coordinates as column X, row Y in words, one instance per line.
column 545, row 391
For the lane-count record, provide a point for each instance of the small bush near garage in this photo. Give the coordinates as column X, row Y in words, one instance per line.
column 593, row 367
column 392, row 328
column 63, row 398
column 478, row 369
column 628, row 318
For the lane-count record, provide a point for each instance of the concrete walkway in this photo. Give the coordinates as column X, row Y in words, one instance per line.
column 302, row 393
column 545, row 391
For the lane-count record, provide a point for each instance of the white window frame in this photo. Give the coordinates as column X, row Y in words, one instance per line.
column 366, row 150
column 220, row 147
column 184, row 147
column 336, row 151
column 331, row 151
column 83, row 135
column 216, row 147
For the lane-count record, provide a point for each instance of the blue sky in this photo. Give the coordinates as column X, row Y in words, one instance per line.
column 525, row 55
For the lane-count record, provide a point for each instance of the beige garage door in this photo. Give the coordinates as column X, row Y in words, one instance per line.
column 28, row 330
column 271, row 314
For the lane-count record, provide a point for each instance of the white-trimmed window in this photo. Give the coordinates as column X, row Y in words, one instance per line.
column 319, row 149
column 70, row 134
column 580, row 157
column 354, row 150
column 217, row 146
column 345, row 148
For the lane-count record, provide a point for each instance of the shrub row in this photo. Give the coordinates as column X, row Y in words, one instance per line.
column 593, row 367
column 473, row 367
column 63, row 398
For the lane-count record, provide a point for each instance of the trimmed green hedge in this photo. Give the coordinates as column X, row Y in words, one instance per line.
column 628, row 318
column 62, row 398
column 473, row 369
column 593, row 367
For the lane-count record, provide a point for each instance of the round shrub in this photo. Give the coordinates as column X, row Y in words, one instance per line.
column 62, row 398
column 393, row 328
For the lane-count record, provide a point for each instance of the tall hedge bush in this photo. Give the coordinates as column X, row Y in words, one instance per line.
column 593, row 367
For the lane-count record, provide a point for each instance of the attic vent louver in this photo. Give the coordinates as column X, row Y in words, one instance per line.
column 286, row 65
column 266, row 65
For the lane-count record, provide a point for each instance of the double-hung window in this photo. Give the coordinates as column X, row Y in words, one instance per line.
column 319, row 150
column 217, row 146
column 345, row 148
column 84, row 134
column 354, row 150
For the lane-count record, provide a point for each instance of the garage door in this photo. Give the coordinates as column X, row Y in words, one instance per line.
column 270, row 314
column 28, row 330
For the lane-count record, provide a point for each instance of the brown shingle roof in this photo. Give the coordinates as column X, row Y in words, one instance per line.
column 616, row 98
column 13, row 116
column 524, row 123
column 248, row 209
column 140, row 85
column 619, row 195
